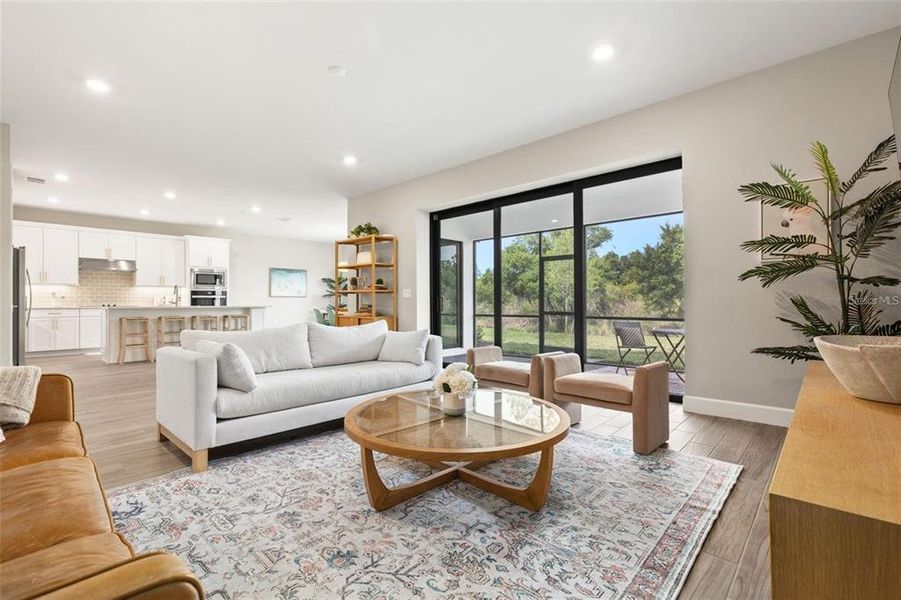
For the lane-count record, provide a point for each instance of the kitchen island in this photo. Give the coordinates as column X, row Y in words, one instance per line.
column 110, row 316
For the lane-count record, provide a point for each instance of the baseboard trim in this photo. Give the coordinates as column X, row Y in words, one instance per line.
column 769, row 415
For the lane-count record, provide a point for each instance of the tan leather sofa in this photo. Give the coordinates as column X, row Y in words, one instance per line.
column 490, row 368
column 57, row 538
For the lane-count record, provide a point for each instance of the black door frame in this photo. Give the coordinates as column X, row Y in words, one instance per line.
column 459, row 253
column 494, row 205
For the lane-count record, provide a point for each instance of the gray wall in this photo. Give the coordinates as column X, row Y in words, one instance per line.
column 6, row 211
column 727, row 135
column 251, row 258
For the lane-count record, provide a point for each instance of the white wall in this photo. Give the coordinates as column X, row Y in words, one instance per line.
column 727, row 135
column 251, row 258
column 6, row 213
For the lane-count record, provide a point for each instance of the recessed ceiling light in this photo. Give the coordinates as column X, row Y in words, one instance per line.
column 98, row 86
column 255, row 209
column 53, row 200
column 169, row 194
column 603, row 52
column 61, row 177
column 349, row 161
column 336, row 71
column 554, row 220
column 145, row 212
column 220, row 222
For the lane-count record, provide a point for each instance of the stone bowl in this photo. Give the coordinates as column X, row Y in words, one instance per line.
column 868, row 366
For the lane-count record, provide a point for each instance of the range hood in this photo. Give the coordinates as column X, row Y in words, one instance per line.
column 104, row 264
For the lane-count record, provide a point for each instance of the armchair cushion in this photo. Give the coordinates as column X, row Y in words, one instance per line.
column 606, row 387
column 483, row 354
column 39, row 442
column 505, row 371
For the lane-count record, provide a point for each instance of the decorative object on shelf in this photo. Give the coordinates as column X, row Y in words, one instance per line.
column 364, row 257
column 380, row 284
column 366, row 228
column 287, row 283
column 455, row 383
column 354, row 282
column 869, row 367
column 855, row 229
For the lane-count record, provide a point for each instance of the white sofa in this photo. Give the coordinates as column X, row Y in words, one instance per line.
column 305, row 374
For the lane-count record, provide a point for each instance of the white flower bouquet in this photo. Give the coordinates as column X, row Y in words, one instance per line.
column 456, row 379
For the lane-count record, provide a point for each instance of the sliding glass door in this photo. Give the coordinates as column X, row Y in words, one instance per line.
column 451, row 299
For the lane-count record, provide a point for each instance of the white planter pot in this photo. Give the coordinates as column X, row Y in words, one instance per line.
column 452, row 404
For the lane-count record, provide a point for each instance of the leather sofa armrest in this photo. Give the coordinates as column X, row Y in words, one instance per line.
column 55, row 400
column 558, row 365
column 483, row 354
column 154, row 576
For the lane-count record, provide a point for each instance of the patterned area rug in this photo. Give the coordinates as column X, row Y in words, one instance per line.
column 293, row 521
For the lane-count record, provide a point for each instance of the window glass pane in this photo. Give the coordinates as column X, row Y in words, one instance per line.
column 602, row 342
column 558, row 333
column 559, row 287
column 519, row 274
column 484, row 331
column 557, row 242
column 520, row 335
column 483, row 272
column 456, row 273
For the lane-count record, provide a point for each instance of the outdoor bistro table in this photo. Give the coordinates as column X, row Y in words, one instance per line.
column 673, row 347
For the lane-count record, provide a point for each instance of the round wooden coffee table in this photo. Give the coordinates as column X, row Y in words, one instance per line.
column 497, row 424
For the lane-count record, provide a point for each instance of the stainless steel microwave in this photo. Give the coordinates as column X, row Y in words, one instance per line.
column 208, row 279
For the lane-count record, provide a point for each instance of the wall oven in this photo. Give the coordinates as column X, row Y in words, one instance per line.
column 208, row 279
column 209, row 298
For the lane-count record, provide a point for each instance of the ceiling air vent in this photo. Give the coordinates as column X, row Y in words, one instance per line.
column 30, row 179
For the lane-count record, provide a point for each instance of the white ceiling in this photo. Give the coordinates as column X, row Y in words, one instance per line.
column 231, row 105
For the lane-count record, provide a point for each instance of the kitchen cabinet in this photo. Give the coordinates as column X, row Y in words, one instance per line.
column 51, row 254
column 89, row 328
column 53, row 330
column 208, row 252
column 94, row 244
column 160, row 262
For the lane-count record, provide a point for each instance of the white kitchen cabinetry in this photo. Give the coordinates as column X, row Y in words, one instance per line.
column 50, row 253
column 90, row 328
column 53, row 330
column 93, row 244
column 208, row 253
column 160, row 262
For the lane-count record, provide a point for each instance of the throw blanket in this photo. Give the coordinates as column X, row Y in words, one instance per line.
column 18, row 388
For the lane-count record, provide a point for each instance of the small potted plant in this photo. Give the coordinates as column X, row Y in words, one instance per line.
column 455, row 384
column 364, row 230
column 380, row 283
column 353, row 283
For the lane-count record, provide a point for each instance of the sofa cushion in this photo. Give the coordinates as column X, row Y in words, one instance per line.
column 607, row 387
column 343, row 345
column 39, row 572
column 269, row 350
column 505, row 371
column 39, row 442
column 233, row 368
column 405, row 346
column 49, row 503
column 290, row 389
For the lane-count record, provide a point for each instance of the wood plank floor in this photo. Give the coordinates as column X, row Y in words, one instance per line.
column 115, row 406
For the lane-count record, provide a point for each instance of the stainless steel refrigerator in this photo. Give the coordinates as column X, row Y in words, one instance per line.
column 21, row 305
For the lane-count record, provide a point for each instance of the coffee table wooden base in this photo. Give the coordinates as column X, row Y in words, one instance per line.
column 532, row 497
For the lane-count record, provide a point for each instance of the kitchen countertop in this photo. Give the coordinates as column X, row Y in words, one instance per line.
column 148, row 307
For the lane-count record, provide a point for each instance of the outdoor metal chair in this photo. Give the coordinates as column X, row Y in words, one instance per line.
column 629, row 337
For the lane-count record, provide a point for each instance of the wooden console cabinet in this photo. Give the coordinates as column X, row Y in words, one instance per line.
column 835, row 498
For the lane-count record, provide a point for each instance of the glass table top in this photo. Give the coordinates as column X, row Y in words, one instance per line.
column 493, row 419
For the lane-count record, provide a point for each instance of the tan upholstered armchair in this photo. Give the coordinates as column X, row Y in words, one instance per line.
column 644, row 394
column 492, row 370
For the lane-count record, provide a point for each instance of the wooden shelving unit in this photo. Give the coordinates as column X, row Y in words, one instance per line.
column 382, row 300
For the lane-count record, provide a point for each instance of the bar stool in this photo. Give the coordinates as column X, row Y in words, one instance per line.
column 205, row 322
column 235, row 322
column 166, row 327
column 125, row 336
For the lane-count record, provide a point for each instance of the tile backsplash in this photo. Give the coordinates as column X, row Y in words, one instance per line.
column 96, row 288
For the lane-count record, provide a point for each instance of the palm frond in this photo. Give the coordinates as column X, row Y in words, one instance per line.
column 873, row 162
column 821, row 156
column 883, row 194
column 874, row 280
column 814, row 319
column 876, row 226
column 770, row 273
column 790, row 353
column 781, row 196
column 777, row 244
column 791, row 179
column 863, row 315
column 888, row 329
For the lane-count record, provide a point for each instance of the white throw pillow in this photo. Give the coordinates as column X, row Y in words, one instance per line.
column 232, row 365
column 342, row 345
column 275, row 349
column 405, row 346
